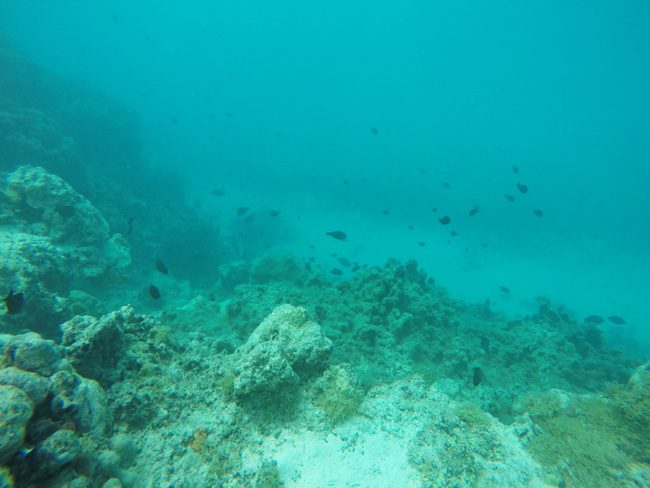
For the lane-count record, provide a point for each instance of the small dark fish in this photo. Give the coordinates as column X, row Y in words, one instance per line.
column 410, row 227
column 538, row 212
column 174, row 120
column 217, row 192
column 474, row 210
column 337, row 234
column 274, row 213
column 242, row 211
column 445, row 220
column 446, row 185
column 522, row 188
column 616, row 319
column 374, row 131
column 115, row 18
column 422, row 243
column 484, row 245
column 434, row 210
column 355, row 268
column 385, row 212
column 345, row 262
column 66, row 211
column 594, row 319
column 337, row 272
column 160, row 266
column 423, row 171
column 504, row 289
column 510, row 198
column 130, row 225
column 485, row 343
column 478, row 376
column 515, row 169
column 454, row 233
column 14, row 302
column 346, row 182
column 249, row 218
column 154, row 292
column 333, row 254
column 431, row 281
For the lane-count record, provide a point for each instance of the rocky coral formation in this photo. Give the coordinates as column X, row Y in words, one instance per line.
column 55, row 425
column 593, row 439
column 284, row 348
column 52, row 238
column 391, row 321
column 280, row 407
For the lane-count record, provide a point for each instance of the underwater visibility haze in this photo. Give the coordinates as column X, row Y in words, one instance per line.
column 309, row 244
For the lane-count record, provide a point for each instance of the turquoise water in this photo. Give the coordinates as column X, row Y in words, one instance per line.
column 372, row 118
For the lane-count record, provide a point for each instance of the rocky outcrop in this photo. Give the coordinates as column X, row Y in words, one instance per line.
column 53, row 422
column 52, row 237
column 284, row 348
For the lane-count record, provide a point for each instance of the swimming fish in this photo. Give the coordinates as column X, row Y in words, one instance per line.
column 374, row 131
column 337, row 272
column 478, row 376
column 130, row 225
column 242, row 211
column 538, row 212
column 337, row 234
column 522, row 188
column 274, row 213
column 594, row 319
column 454, row 233
column 515, row 169
column 154, row 292
column 385, row 211
column 504, row 289
column 14, row 302
column 344, row 262
column 446, row 185
column 445, row 220
column 422, row 243
column 217, row 192
column 160, row 266
column 474, row 210
column 510, row 198
column 615, row 319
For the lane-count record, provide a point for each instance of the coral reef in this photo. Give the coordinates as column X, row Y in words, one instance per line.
column 391, row 321
column 283, row 348
column 592, row 440
column 52, row 238
column 55, row 425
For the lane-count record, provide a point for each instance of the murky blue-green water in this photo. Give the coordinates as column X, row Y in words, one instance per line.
column 503, row 146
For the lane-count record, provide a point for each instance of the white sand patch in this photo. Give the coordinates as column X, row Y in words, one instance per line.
column 349, row 457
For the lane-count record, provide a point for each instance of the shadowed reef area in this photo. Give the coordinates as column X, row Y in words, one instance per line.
column 264, row 371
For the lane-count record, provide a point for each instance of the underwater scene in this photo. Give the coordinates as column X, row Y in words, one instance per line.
column 324, row 244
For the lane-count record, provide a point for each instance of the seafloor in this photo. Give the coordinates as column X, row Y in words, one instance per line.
column 267, row 372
